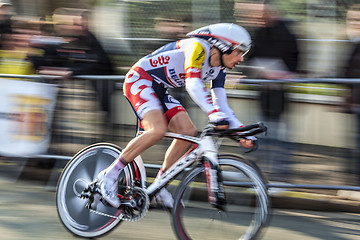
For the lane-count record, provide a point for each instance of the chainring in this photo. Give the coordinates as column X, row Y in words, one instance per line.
column 141, row 207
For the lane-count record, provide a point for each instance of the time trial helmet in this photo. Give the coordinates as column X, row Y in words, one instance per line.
column 224, row 36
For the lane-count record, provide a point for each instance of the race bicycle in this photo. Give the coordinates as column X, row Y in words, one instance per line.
column 219, row 196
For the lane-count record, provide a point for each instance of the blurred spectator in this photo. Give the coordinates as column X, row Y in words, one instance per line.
column 352, row 70
column 14, row 44
column 13, row 55
column 5, row 19
column 172, row 28
column 77, row 52
column 168, row 29
column 274, row 57
column 249, row 15
column 102, row 66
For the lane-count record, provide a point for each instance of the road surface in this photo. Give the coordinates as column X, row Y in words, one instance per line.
column 27, row 211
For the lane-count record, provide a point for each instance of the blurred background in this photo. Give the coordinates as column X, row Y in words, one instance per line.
column 62, row 65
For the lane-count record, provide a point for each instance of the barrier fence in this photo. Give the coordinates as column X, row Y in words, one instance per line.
column 79, row 120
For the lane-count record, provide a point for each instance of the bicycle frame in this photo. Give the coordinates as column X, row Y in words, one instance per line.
column 202, row 146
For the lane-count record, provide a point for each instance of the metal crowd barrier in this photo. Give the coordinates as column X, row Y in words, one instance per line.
column 62, row 158
column 241, row 80
column 54, row 177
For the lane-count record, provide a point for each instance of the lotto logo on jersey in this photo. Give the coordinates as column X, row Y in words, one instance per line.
column 162, row 60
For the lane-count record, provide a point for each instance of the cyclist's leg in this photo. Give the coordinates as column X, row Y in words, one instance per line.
column 180, row 123
column 154, row 124
column 155, row 127
column 138, row 90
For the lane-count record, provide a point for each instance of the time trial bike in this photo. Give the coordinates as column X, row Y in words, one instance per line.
column 219, row 196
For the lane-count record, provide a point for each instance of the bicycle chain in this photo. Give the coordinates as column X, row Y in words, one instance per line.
column 105, row 214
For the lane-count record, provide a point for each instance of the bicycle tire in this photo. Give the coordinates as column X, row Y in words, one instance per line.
column 86, row 165
column 247, row 208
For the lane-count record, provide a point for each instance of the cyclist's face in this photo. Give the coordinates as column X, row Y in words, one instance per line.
column 234, row 58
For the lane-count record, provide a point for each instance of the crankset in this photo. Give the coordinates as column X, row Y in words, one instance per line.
column 134, row 201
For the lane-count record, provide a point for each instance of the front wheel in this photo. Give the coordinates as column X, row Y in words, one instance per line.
column 247, row 204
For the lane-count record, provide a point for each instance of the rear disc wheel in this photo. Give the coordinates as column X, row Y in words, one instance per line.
column 81, row 170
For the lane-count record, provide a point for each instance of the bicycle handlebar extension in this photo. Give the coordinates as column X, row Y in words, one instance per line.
column 246, row 131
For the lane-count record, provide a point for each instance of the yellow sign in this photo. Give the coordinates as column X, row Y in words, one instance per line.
column 31, row 117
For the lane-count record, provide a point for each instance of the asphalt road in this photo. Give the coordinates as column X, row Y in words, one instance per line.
column 27, row 211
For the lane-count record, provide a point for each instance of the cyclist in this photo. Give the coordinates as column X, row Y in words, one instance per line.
column 188, row 62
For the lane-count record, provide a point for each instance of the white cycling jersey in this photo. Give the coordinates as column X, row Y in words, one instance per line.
column 177, row 64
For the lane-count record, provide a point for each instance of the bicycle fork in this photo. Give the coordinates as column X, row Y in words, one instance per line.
column 215, row 186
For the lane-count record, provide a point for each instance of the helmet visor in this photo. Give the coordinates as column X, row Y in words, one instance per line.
column 242, row 47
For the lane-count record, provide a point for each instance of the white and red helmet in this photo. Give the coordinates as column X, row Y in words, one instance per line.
column 224, row 36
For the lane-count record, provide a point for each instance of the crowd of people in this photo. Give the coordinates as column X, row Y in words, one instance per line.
column 275, row 56
column 65, row 46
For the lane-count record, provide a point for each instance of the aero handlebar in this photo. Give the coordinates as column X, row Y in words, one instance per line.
column 242, row 132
